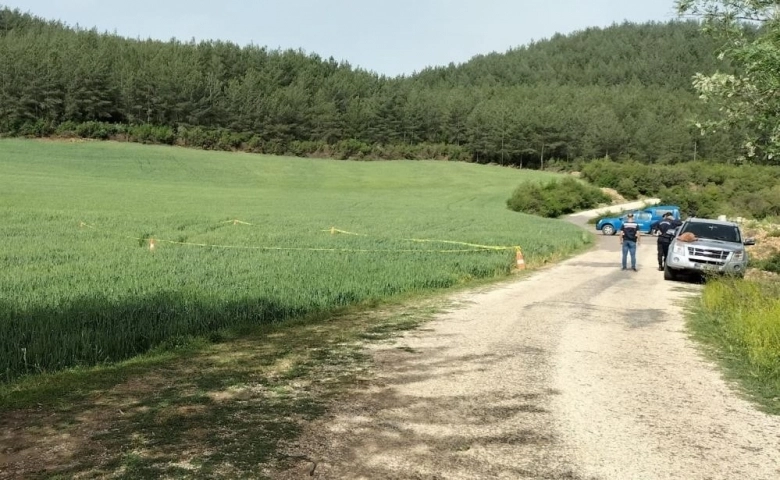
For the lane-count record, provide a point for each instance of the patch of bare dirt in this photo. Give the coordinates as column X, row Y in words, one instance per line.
column 614, row 195
column 767, row 236
column 756, row 274
column 65, row 140
column 34, row 441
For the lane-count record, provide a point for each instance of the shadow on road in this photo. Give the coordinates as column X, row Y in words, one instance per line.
column 383, row 433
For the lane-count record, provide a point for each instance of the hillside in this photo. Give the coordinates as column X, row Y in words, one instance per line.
column 651, row 54
column 622, row 91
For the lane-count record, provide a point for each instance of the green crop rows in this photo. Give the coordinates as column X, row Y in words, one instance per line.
column 81, row 286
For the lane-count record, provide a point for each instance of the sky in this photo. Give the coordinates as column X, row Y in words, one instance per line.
column 390, row 37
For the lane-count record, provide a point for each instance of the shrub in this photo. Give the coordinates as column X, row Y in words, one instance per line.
column 255, row 144
column 700, row 188
column 148, row 133
column 229, row 140
column 691, row 202
column 555, row 198
column 351, row 148
column 305, row 148
column 39, row 128
column 275, row 147
column 96, row 130
column 627, row 188
column 771, row 264
column 199, row 137
column 66, row 129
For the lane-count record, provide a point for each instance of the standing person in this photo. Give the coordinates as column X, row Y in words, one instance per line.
column 629, row 239
column 665, row 228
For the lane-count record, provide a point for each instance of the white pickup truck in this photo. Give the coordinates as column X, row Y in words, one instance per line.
column 713, row 246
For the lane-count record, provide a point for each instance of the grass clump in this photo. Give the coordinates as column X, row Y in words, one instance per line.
column 741, row 320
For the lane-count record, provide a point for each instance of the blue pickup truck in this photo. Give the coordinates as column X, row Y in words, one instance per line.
column 645, row 218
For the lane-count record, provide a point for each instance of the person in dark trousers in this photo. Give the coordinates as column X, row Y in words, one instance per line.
column 665, row 228
column 629, row 239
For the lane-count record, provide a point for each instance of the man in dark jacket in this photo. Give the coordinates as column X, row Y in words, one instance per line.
column 665, row 228
column 629, row 239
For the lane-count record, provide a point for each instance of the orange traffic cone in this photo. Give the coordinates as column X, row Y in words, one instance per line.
column 520, row 260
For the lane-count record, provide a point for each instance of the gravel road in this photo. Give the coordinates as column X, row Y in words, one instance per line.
column 578, row 371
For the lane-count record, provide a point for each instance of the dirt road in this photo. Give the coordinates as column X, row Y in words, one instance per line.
column 579, row 371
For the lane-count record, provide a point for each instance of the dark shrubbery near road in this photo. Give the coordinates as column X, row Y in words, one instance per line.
column 555, row 198
column 700, row 188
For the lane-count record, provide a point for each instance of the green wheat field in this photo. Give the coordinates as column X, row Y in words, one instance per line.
column 238, row 239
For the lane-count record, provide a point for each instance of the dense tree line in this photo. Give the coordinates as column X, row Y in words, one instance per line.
column 651, row 54
column 623, row 92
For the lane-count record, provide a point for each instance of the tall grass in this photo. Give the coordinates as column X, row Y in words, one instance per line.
column 81, row 286
column 742, row 320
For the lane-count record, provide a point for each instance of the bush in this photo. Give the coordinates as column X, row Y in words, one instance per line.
column 66, row 129
column 306, row 148
column 199, row 137
column 555, row 198
column 700, row 188
column 229, row 140
column 255, row 144
column 630, row 179
column 94, row 130
column 39, row 128
column 627, row 188
column 771, row 264
column 696, row 203
column 346, row 149
column 275, row 147
column 148, row 133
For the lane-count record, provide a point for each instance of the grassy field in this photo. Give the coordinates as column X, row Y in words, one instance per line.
column 239, row 239
column 739, row 321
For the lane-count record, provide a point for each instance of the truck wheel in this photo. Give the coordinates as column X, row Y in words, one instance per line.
column 608, row 229
column 669, row 274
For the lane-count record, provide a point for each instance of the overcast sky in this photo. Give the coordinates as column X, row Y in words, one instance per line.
column 390, row 37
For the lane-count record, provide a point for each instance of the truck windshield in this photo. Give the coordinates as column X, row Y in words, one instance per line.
column 713, row 231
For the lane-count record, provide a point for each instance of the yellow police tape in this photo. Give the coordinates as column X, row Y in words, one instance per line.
column 474, row 247
column 334, row 230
